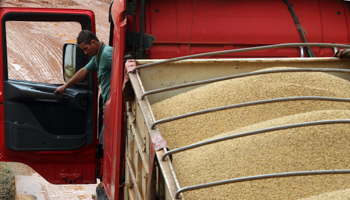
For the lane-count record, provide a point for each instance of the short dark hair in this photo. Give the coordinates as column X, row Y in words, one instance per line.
column 85, row 36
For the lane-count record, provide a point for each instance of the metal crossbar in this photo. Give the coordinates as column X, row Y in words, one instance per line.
column 242, row 50
column 246, row 104
column 243, row 75
column 265, row 176
column 244, row 134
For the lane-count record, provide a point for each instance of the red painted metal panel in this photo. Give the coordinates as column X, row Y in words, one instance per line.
column 77, row 166
column 334, row 21
column 113, row 136
column 243, row 23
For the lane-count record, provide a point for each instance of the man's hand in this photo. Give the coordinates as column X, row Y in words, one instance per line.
column 77, row 78
column 60, row 90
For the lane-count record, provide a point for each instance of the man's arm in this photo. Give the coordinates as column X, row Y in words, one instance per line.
column 77, row 78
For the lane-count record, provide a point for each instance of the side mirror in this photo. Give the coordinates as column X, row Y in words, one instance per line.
column 73, row 60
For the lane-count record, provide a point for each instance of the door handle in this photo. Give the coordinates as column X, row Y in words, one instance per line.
column 37, row 94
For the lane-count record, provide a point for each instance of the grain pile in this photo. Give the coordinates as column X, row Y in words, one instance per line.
column 335, row 195
column 319, row 147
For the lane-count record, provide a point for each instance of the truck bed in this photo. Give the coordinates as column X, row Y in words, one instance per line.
column 150, row 170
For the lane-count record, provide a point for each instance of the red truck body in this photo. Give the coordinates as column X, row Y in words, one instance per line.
column 191, row 27
column 181, row 28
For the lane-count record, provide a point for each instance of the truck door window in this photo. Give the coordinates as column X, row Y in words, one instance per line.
column 34, row 49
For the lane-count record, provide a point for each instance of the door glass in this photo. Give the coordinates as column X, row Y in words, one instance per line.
column 34, row 49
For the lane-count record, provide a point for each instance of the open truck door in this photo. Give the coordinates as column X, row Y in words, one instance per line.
column 54, row 135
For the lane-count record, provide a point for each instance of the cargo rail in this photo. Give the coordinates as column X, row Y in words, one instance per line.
column 287, row 45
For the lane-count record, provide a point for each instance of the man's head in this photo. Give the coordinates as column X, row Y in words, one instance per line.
column 88, row 42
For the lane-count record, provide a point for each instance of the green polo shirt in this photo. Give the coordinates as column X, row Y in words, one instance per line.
column 102, row 63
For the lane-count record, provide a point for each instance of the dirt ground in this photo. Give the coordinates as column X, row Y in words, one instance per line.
column 21, row 67
column 8, row 171
column 42, row 62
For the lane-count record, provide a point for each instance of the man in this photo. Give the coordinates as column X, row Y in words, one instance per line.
column 100, row 62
